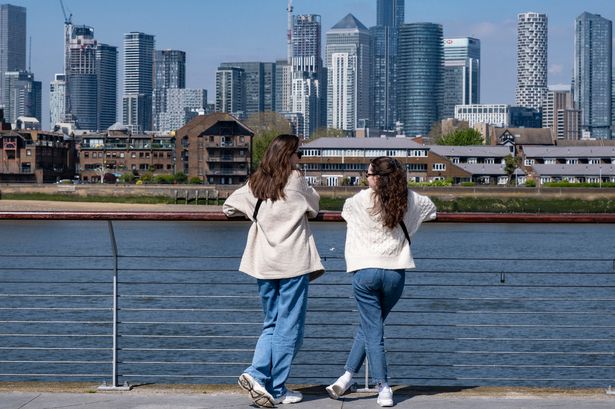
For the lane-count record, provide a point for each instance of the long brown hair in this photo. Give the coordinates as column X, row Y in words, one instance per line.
column 391, row 192
column 269, row 180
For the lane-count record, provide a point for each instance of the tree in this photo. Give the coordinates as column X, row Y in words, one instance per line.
column 266, row 126
column 327, row 133
column 510, row 165
column 268, row 122
column 461, row 137
column 259, row 145
column 435, row 134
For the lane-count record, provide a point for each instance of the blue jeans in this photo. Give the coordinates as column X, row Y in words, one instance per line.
column 284, row 304
column 376, row 291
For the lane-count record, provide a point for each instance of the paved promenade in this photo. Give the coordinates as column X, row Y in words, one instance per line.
column 152, row 397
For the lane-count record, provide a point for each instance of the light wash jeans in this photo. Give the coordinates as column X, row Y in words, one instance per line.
column 376, row 291
column 284, row 304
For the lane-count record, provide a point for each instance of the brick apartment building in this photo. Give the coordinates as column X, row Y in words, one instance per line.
column 216, row 148
column 118, row 151
column 35, row 156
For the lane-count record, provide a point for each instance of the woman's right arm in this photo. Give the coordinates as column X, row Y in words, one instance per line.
column 312, row 198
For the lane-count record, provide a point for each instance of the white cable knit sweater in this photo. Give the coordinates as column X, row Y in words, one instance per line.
column 369, row 244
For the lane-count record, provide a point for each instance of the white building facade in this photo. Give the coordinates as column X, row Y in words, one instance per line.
column 492, row 114
column 531, row 60
column 57, row 99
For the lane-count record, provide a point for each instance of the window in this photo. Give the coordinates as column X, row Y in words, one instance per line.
column 529, row 162
column 572, row 161
column 438, row 166
column 455, row 160
column 311, row 152
column 418, row 153
column 417, row 167
column 472, row 160
column 490, row 161
column 594, row 161
column 28, row 152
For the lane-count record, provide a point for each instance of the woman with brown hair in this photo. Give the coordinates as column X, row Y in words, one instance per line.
column 381, row 220
column 281, row 254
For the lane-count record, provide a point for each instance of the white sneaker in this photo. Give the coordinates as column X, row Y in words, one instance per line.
column 385, row 396
column 339, row 387
column 258, row 393
column 290, row 397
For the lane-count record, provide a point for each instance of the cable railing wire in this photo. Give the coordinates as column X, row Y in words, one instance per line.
column 170, row 330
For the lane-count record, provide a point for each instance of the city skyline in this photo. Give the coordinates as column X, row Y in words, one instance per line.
column 201, row 29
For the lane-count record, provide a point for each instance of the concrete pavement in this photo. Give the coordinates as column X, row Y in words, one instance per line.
column 148, row 398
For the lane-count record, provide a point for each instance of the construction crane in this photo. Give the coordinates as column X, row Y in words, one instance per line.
column 68, row 32
column 289, row 34
column 67, row 20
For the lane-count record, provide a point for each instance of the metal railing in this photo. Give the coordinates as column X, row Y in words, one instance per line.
column 165, row 318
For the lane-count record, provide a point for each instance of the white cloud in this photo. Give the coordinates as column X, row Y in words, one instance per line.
column 556, row 69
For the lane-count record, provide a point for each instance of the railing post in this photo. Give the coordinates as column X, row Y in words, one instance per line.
column 114, row 386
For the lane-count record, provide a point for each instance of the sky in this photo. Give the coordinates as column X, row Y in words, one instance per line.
column 215, row 31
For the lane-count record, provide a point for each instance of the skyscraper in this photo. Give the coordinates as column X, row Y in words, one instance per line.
column 385, row 35
column 57, row 100
column 90, row 81
column 12, row 41
column 283, row 80
column 308, row 78
column 531, row 59
column 390, row 13
column 348, row 59
column 230, row 91
column 419, row 82
column 169, row 73
column 259, row 81
column 106, row 73
column 22, row 96
column 461, row 73
column 181, row 106
column 138, row 81
column 81, row 78
column 559, row 114
column 592, row 74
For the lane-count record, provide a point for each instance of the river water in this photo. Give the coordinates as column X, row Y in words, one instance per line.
column 489, row 304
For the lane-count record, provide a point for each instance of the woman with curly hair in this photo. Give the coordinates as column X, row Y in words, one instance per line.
column 381, row 220
column 281, row 254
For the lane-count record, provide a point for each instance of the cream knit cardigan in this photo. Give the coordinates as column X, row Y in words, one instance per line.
column 280, row 244
column 369, row 244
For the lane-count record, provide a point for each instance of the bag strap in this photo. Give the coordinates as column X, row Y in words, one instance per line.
column 403, row 227
column 258, row 205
